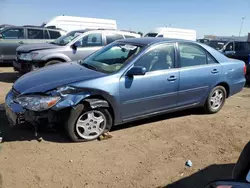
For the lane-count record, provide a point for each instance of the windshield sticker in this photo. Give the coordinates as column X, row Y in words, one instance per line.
column 129, row 47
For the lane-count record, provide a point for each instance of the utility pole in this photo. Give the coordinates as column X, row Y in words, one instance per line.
column 242, row 20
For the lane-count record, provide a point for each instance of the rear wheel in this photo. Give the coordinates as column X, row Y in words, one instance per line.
column 52, row 62
column 215, row 100
column 88, row 124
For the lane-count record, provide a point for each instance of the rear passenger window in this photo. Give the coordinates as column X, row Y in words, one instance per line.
column 113, row 37
column 35, row 34
column 210, row 59
column 241, row 46
column 54, row 34
column 191, row 55
column 128, row 36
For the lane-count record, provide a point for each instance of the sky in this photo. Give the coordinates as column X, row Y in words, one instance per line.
column 215, row 17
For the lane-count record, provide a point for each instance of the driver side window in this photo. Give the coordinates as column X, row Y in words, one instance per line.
column 229, row 47
column 158, row 58
column 92, row 40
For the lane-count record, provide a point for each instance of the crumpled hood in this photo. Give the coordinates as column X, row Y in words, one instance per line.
column 32, row 47
column 54, row 76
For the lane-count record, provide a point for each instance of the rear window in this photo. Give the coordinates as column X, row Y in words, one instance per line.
column 151, row 35
column 218, row 45
column 241, row 46
column 54, row 34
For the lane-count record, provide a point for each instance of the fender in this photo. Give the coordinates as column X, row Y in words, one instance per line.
column 96, row 103
column 56, row 56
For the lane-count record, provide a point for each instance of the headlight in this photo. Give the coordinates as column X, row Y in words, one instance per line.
column 37, row 103
column 28, row 56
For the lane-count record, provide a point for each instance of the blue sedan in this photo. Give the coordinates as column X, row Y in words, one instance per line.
column 125, row 81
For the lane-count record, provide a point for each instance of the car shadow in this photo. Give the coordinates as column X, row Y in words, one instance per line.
column 194, row 111
column 9, row 77
column 201, row 178
column 26, row 132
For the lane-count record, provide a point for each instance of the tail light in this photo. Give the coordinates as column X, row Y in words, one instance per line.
column 224, row 186
column 245, row 69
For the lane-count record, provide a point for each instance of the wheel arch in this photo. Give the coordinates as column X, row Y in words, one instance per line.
column 97, row 101
column 226, row 86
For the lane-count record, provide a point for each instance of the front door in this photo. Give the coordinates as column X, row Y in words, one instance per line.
column 199, row 72
column 89, row 44
column 157, row 89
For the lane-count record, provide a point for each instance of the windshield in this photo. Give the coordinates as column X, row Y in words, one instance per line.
column 218, row 45
column 111, row 58
column 151, row 35
column 64, row 40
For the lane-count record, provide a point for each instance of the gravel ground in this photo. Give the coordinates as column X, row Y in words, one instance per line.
column 148, row 153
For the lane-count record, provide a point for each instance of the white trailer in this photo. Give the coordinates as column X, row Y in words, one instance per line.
column 176, row 33
column 70, row 23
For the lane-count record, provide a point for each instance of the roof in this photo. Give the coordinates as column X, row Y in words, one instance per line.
column 151, row 40
column 33, row 27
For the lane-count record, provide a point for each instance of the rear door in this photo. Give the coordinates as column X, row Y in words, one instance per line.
column 199, row 72
column 241, row 51
column 11, row 39
column 89, row 44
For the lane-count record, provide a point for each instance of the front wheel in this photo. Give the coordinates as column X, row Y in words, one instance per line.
column 88, row 124
column 215, row 100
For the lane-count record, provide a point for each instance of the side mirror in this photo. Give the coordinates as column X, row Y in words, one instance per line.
column 1, row 36
column 76, row 45
column 137, row 70
column 228, row 184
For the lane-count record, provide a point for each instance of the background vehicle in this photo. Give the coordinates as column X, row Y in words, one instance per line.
column 73, row 46
column 240, row 178
column 111, row 86
column 217, row 44
column 238, row 50
column 70, row 23
column 14, row 36
column 203, row 40
column 175, row 33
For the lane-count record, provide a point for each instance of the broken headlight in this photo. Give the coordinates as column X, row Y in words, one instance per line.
column 37, row 103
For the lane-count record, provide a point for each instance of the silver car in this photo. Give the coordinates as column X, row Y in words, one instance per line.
column 74, row 46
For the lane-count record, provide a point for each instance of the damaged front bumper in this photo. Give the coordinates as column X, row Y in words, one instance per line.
column 16, row 114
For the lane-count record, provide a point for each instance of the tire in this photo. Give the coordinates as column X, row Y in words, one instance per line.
column 210, row 107
column 77, row 113
column 52, row 62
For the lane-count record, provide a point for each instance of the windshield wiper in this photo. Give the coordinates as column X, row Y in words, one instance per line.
column 89, row 66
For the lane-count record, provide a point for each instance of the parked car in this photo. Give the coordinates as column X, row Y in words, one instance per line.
column 127, row 80
column 75, row 45
column 217, row 44
column 238, row 50
column 12, row 37
column 203, row 40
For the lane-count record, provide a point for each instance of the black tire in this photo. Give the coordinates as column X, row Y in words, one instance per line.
column 52, row 62
column 208, row 107
column 74, row 115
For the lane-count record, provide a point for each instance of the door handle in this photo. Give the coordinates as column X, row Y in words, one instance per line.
column 214, row 71
column 21, row 42
column 172, row 78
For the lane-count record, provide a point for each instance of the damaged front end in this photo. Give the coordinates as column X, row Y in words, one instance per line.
column 42, row 108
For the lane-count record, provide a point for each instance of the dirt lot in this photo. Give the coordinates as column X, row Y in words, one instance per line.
column 150, row 155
